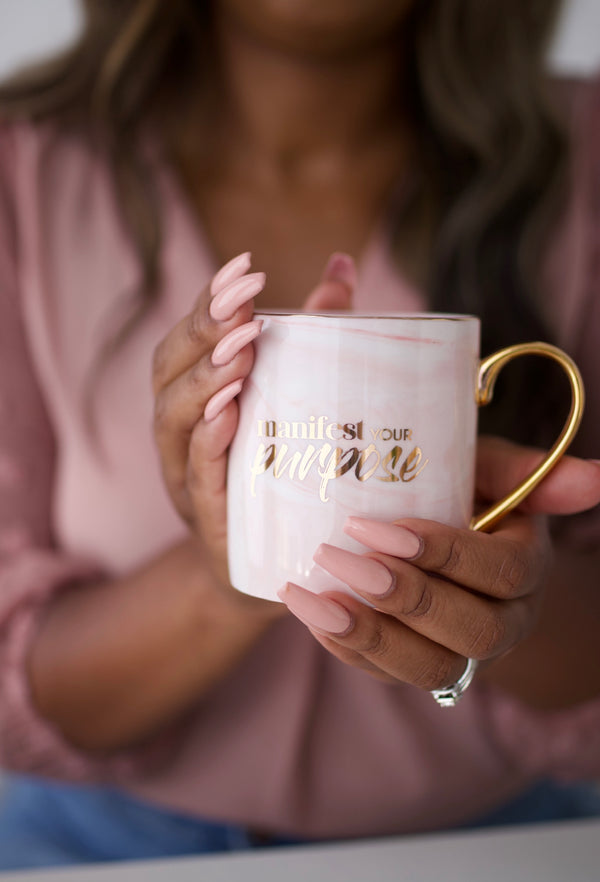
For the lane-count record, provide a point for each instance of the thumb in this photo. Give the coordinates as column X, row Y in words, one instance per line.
column 571, row 487
column 336, row 286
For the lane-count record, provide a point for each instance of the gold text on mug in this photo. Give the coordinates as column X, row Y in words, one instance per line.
column 334, row 462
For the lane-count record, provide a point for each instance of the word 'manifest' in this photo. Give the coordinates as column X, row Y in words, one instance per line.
column 330, row 461
column 319, row 428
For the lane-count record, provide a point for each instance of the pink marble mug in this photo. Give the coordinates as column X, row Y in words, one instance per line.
column 375, row 416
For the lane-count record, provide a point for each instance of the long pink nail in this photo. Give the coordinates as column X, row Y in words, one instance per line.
column 227, row 348
column 362, row 573
column 384, row 537
column 221, row 399
column 231, row 271
column 340, row 268
column 228, row 301
column 317, row 612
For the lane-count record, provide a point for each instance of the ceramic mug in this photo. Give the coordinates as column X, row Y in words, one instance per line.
column 374, row 416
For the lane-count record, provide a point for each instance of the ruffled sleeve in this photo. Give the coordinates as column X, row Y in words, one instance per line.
column 32, row 571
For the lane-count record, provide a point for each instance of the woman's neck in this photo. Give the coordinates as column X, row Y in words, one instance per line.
column 288, row 112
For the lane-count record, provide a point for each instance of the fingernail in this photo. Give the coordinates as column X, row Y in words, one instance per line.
column 340, row 268
column 384, row 537
column 225, row 304
column 231, row 271
column 233, row 342
column 221, row 399
column 362, row 573
column 316, row 611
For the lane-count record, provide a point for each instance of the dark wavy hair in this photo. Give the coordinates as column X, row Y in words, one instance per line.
column 489, row 168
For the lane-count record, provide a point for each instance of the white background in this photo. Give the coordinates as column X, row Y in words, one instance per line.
column 31, row 28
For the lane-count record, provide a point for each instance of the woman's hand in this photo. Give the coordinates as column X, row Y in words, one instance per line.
column 170, row 647
column 441, row 594
column 198, row 370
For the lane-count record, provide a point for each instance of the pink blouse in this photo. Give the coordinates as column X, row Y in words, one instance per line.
column 293, row 741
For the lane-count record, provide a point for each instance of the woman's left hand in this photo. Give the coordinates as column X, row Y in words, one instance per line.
column 440, row 594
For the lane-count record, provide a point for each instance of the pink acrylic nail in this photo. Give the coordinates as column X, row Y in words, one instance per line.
column 340, row 268
column 362, row 573
column 226, row 303
column 384, row 537
column 233, row 342
column 221, row 399
column 316, row 611
column 231, row 271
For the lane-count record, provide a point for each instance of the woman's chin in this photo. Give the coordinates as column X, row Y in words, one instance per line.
column 319, row 28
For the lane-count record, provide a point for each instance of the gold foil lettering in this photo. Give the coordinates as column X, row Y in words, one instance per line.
column 263, row 459
column 310, row 455
column 391, row 458
column 410, row 465
column 319, row 436
column 333, row 462
column 266, row 429
column 337, row 465
column 280, row 466
column 331, row 428
column 299, row 427
column 371, row 450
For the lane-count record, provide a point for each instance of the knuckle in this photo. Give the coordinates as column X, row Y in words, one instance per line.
column 197, row 376
column 489, row 638
column 450, row 557
column 194, row 328
column 511, row 574
column 419, row 600
column 374, row 644
column 436, row 673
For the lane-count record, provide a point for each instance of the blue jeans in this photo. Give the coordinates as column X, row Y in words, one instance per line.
column 43, row 824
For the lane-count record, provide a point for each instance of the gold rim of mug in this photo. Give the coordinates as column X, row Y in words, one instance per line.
column 400, row 316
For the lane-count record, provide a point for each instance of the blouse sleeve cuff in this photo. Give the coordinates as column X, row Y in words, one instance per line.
column 28, row 742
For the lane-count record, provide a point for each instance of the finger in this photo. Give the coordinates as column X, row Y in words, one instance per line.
column 336, row 287
column 506, row 564
column 205, row 480
column 465, row 622
column 573, row 486
column 350, row 657
column 381, row 640
column 199, row 331
column 182, row 403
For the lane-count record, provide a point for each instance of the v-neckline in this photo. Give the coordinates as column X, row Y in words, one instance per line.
column 376, row 269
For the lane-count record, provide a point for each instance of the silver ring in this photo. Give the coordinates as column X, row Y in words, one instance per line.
column 449, row 695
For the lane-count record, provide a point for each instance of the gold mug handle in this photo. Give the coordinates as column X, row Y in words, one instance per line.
column 489, row 369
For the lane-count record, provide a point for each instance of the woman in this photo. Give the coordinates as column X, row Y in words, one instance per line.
column 172, row 138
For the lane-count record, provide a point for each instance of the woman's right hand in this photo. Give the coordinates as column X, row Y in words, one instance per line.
column 198, row 370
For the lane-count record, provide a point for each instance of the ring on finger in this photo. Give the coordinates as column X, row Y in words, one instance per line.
column 450, row 695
